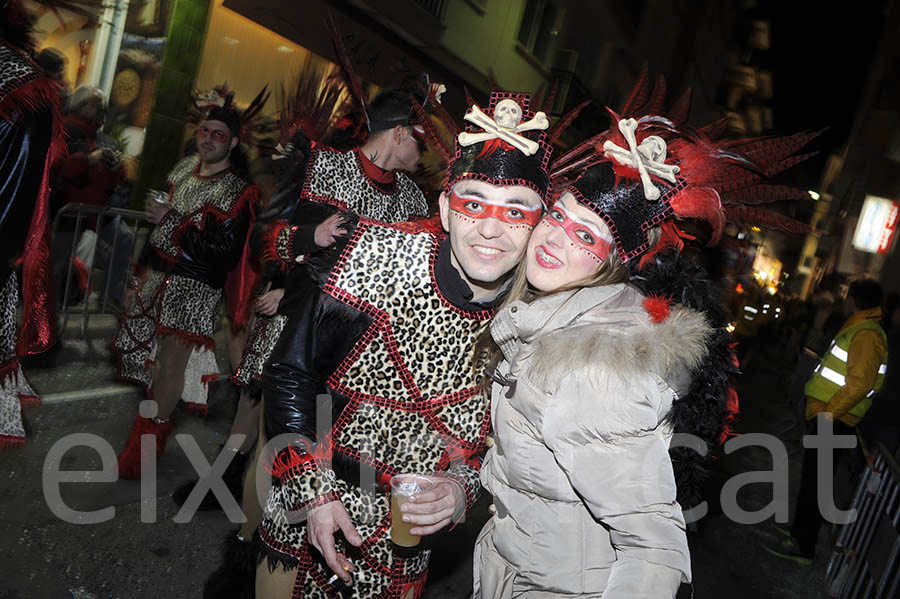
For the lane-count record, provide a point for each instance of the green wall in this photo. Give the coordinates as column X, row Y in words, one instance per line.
column 164, row 137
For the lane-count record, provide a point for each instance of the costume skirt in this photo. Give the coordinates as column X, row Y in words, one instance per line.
column 264, row 335
column 15, row 392
column 170, row 304
column 383, row 569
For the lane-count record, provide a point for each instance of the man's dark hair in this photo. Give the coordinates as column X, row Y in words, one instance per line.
column 391, row 107
column 866, row 294
column 227, row 115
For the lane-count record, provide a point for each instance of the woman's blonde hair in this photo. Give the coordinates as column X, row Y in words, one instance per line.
column 487, row 354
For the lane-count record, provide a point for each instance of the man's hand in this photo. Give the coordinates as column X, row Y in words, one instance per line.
column 156, row 211
column 329, row 229
column 267, row 304
column 321, row 524
column 435, row 509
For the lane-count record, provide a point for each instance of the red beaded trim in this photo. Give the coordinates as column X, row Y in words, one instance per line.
column 270, row 540
column 9, row 370
column 188, row 338
column 270, row 254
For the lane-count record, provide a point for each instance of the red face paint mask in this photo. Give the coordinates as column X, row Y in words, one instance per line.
column 585, row 237
column 511, row 214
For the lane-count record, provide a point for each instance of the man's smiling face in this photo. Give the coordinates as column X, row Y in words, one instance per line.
column 489, row 227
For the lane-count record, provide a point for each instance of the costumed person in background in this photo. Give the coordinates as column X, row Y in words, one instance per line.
column 198, row 249
column 88, row 175
column 592, row 357
column 840, row 389
column 31, row 137
column 318, row 187
column 384, row 325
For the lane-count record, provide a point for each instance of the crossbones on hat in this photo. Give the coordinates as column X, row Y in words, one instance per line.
column 505, row 144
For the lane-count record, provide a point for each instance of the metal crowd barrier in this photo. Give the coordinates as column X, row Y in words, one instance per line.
column 865, row 562
column 81, row 213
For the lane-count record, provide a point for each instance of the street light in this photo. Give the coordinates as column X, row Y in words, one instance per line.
column 814, row 194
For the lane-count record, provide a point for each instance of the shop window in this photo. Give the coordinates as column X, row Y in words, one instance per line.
column 539, row 28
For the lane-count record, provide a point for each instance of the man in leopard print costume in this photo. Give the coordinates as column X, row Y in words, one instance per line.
column 30, row 138
column 199, row 247
column 306, row 215
column 373, row 376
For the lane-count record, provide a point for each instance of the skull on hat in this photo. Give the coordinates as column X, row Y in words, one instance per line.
column 507, row 114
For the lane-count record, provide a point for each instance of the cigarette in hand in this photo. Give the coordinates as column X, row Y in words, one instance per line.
column 334, row 578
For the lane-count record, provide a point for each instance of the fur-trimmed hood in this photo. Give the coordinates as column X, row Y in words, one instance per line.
column 602, row 330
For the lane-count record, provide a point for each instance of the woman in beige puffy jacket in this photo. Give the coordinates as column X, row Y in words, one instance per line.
column 590, row 377
column 585, row 371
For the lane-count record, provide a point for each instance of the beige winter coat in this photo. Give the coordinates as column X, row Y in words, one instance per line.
column 584, row 494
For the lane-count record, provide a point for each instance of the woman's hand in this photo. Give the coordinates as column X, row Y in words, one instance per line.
column 435, row 509
column 267, row 304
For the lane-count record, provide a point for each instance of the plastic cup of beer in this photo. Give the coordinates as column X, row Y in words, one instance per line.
column 403, row 486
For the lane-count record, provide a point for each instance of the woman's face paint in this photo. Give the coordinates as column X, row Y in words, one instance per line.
column 568, row 246
column 585, row 235
column 477, row 206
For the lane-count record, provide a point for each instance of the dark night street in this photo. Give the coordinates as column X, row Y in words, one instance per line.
column 45, row 557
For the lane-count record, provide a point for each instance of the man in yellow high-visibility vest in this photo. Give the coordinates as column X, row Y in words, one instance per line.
column 842, row 385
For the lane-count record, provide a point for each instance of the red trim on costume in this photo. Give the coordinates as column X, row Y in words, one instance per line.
column 243, row 278
column 269, row 249
column 289, row 550
column 209, row 378
column 8, row 441
column 315, row 455
column 29, row 401
column 188, row 338
column 9, row 370
column 416, row 225
column 448, row 183
column 658, row 308
column 39, row 322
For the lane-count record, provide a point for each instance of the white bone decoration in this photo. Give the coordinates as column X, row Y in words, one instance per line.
column 506, row 125
column 649, row 157
column 209, row 98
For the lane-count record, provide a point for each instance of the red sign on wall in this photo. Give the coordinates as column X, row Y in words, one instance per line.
column 890, row 229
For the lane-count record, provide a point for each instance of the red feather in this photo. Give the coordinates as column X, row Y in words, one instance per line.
column 431, row 132
column 658, row 308
column 563, row 123
column 670, row 237
column 701, row 203
column 681, row 109
column 655, row 104
column 765, row 218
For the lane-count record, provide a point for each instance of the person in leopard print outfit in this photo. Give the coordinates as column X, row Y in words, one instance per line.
column 200, row 247
column 31, row 138
column 372, row 376
column 307, row 214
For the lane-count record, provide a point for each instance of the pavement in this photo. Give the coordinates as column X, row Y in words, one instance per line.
column 44, row 557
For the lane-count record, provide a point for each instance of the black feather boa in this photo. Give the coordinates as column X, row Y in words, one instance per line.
column 703, row 411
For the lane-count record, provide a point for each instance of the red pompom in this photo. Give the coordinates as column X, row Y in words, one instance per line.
column 657, row 308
